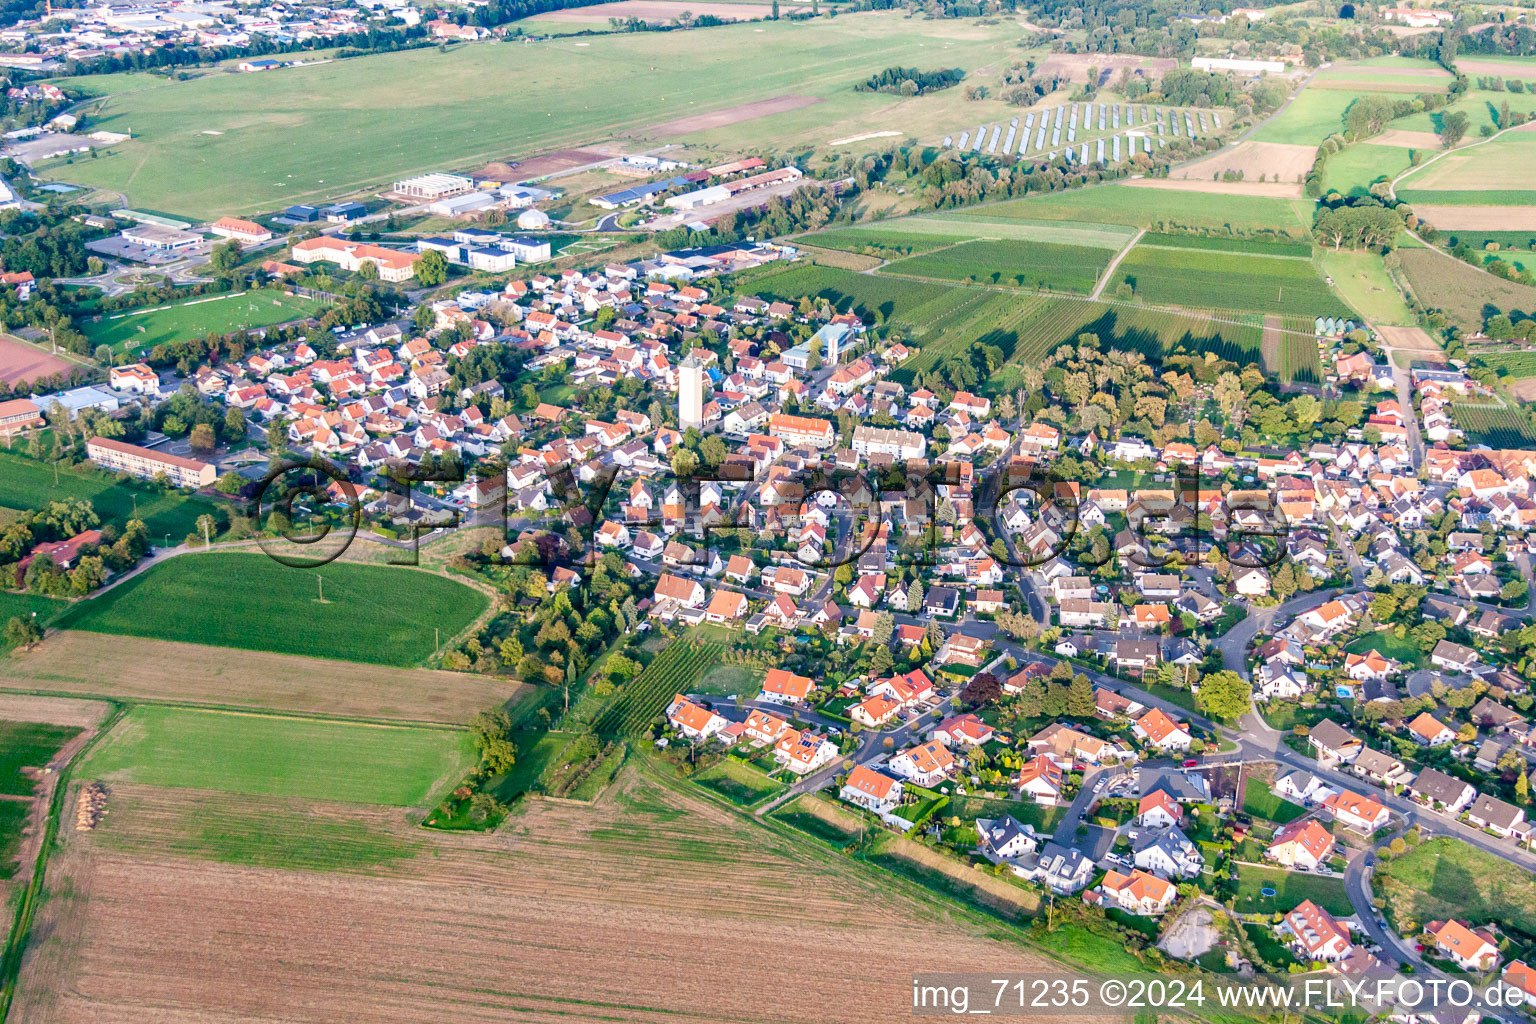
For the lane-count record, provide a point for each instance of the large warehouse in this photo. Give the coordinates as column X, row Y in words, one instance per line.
column 434, row 186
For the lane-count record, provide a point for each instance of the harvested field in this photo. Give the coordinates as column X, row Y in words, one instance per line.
column 1277, row 161
column 136, row 668
column 1524, row 390
column 1409, row 339
column 570, row 913
column 1443, row 282
column 1505, row 69
column 1075, row 65
column 82, row 714
column 1379, row 83
column 1269, row 189
column 1408, row 139
column 546, row 163
column 1478, row 218
column 20, row 361
column 838, row 258
column 661, row 10
column 730, row 115
column 1491, row 166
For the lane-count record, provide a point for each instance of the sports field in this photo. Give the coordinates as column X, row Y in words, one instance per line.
column 331, row 129
column 1203, row 279
column 1070, row 268
column 140, row 331
column 297, row 757
column 373, row 614
column 1158, row 209
column 26, row 484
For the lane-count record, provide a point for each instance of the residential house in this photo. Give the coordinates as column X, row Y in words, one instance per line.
column 1302, row 844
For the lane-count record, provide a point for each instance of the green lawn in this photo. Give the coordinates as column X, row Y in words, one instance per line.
column 1261, row 802
column 1224, row 280
column 1362, row 279
column 139, row 331
column 230, row 143
column 270, row 756
column 1043, row 265
column 1390, row 645
column 1291, row 888
column 1311, row 117
column 1445, row 878
column 27, row 483
column 372, row 613
column 739, row 783
column 1025, row 812
column 730, row 680
column 1352, row 170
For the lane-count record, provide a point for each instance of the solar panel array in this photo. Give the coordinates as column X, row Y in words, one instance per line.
column 1043, row 134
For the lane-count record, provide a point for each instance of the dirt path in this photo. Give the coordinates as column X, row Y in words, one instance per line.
column 1109, row 271
column 1269, row 346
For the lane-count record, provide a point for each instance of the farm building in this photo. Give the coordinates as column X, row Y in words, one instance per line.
column 434, row 186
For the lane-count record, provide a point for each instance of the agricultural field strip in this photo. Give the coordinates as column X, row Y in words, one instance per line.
column 1186, row 248
column 1086, row 233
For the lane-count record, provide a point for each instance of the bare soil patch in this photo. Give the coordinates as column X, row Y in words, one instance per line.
column 1275, row 189
column 649, row 906
column 20, row 361
column 1407, row 139
column 1409, row 339
column 546, row 163
column 1479, row 218
column 1524, row 390
column 663, row 10
column 1075, row 66
column 731, row 115
column 1278, row 162
column 1496, row 67
column 96, row 664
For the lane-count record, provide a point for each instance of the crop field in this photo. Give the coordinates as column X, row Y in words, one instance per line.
column 26, row 605
column 863, row 294
column 264, row 755
column 1289, row 349
column 674, row 671
column 1493, row 426
column 1442, row 878
column 227, row 143
column 1072, row 268
column 1232, row 280
column 913, row 235
column 26, row 483
column 28, row 745
column 1472, row 197
column 991, row 318
column 1513, row 365
column 1217, row 243
column 383, row 616
column 571, row 912
column 135, row 668
column 1461, row 291
column 1155, row 209
column 139, row 331
column 1362, row 280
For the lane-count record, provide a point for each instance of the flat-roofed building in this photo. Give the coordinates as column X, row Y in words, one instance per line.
column 121, row 457
column 436, row 185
